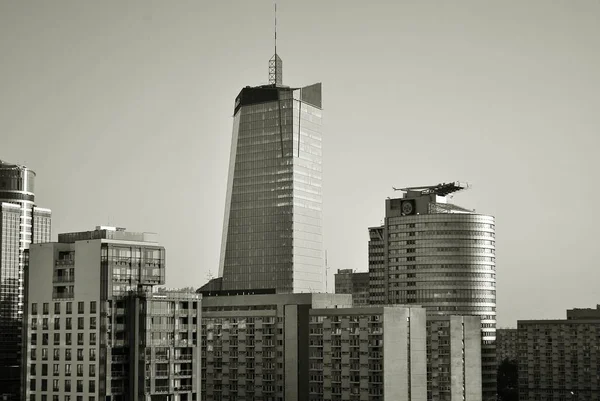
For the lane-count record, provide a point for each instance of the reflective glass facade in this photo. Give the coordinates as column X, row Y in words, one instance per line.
column 272, row 234
column 17, row 231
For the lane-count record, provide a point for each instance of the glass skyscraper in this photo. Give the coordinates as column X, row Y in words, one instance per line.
column 21, row 223
column 272, row 232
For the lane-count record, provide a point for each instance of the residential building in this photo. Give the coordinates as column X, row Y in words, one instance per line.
column 310, row 347
column 21, row 223
column 559, row 360
column 507, row 341
column 441, row 256
column 355, row 283
column 272, row 231
column 96, row 326
column 454, row 358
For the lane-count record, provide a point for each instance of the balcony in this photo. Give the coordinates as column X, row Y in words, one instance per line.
column 64, row 262
column 183, row 357
column 184, row 373
column 184, row 388
column 63, row 279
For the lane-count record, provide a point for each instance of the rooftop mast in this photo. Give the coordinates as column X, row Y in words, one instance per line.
column 275, row 63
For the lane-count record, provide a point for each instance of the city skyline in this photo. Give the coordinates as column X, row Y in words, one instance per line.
column 132, row 103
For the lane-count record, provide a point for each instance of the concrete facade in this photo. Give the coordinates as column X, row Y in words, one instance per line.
column 311, row 347
column 454, row 358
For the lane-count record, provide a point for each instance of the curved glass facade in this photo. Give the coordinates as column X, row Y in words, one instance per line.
column 18, row 216
column 444, row 262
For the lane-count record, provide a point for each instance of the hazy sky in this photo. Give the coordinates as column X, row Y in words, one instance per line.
column 124, row 110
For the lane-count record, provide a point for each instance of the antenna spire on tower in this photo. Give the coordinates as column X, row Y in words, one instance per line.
column 275, row 63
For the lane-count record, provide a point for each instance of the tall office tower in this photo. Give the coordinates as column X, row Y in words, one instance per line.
column 21, row 223
column 311, row 347
column 355, row 283
column 560, row 359
column 441, row 256
column 95, row 327
column 272, row 231
column 506, row 345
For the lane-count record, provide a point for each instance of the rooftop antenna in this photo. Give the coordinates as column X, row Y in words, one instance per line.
column 275, row 63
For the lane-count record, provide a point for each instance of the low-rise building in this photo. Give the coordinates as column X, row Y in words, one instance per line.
column 348, row 281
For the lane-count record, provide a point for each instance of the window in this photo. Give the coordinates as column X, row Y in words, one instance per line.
column 56, row 338
column 67, row 354
column 79, row 369
column 68, row 369
column 32, row 369
column 57, row 308
column 69, row 308
column 34, row 309
column 92, row 354
column 44, row 354
column 32, row 385
column 93, row 322
column 69, row 323
column 80, row 386
column 92, row 370
column 81, row 307
column 79, row 338
column 55, row 369
column 44, row 338
column 56, row 323
column 33, row 338
column 80, row 323
column 56, row 354
column 92, row 306
column 44, row 385
column 55, row 385
column 46, row 307
column 33, row 354
column 92, row 338
column 44, row 369
column 80, row 354
column 68, row 340
column 34, row 323
column 92, row 386
column 45, row 323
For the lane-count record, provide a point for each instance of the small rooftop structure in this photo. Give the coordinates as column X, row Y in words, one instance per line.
column 443, row 189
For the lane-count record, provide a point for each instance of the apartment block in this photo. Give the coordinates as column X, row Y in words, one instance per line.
column 310, row 347
column 97, row 329
column 559, row 360
column 454, row 358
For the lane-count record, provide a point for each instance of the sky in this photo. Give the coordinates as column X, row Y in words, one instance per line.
column 124, row 110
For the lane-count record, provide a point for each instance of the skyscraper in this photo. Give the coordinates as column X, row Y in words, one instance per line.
column 21, row 223
column 272, row 231
column 441, row 256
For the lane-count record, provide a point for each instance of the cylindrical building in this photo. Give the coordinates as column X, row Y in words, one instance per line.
column 442, row 257
column 21, row 223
